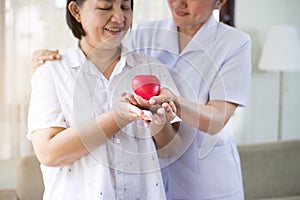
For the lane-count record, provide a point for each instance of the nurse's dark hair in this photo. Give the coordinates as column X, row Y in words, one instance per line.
column 73, row 24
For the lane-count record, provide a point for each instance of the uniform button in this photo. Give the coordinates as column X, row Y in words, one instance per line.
column 118, row 141
column 119, row 171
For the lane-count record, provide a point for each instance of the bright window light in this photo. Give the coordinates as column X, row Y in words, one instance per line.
column 216, row 14
column 60, row 3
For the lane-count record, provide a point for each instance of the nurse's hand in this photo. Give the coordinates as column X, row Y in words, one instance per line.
column 165, row 134
column 39, row 57
column 165, row 114
column 143, row 103
column 165, row 95
column 158, row 114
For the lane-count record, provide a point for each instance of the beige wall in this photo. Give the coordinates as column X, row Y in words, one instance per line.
column 260, row 117
column 8, row 174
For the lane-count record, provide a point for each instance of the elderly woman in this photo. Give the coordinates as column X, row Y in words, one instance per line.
column 85, row 130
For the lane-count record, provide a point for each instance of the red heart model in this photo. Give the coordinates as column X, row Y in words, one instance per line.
column 146, row 86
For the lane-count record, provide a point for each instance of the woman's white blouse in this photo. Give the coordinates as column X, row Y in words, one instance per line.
column 215, row 65
column 69, row 92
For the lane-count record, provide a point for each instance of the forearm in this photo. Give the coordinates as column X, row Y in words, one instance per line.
column 166, row 138
column 59, row 147
column 209, row 118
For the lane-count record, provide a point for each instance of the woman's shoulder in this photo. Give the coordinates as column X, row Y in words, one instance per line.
column 72, row 56
column 229, row 32
column 58, row 67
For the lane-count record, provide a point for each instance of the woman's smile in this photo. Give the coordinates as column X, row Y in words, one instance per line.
column 180, row 13
column 114, row 30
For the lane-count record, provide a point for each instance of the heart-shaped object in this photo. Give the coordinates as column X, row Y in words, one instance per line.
column 146, row 86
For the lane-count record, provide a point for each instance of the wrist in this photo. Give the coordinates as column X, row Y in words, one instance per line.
column 177, row 103
column 119, row 120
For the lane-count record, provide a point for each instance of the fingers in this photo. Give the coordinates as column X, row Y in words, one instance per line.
column 131, row 107
column 45, row 55
column 157, row 100
column 165, row 95
column 159, row 117
column 135, row 104
column 166, row 113
column 141, row 102
column 47, row 52
column 123, row 94
column 133, row 100
column 147, row 117
column 126, row 113
column 129, row 98
column 135, row 111
column 170, row 110
column 39, row 57
column 170, row 107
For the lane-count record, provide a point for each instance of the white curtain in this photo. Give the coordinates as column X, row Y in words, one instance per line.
column 148, row 10
column 24, row 27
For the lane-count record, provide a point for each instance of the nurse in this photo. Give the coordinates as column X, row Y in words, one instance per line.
column 211, row 63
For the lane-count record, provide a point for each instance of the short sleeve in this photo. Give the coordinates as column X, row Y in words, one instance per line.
column 44, row 109
column 233, row 79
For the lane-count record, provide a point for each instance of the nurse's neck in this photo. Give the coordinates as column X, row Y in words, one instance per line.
column 183, row 41
column 186, row 34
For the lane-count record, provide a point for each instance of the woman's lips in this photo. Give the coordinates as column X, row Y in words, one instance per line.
column 115, row 30
column 180, row 13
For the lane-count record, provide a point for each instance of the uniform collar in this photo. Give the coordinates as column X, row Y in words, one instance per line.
column 75, row 56
column 76, row 59
column 168, row 38
column 127, row 57
column 205, row 36
column 201, row 40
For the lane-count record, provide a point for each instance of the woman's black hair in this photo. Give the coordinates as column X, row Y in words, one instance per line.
column 73, row 24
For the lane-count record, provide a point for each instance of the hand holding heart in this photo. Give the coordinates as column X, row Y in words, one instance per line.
column 157, row 114
column 137, row 107
column 125, row 111
column 165, row 95
column 146, row 86
column 165, row 114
